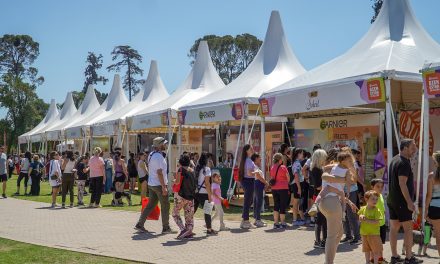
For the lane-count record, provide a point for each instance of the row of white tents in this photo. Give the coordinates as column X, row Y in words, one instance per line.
column 381, row 71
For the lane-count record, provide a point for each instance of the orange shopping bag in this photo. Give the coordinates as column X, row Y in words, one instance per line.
column 226, row 203
column 154, row 215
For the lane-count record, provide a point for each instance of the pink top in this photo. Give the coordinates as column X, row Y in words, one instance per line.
column 215, row 187
column 96, row 165
column 282, row 178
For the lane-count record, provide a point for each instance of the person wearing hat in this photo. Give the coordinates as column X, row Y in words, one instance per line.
column 157, row 186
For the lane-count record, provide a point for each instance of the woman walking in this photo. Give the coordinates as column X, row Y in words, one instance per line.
column 36, row 169
column 246, row 175
column 109, row 171
column 25, row 163
column 82, row 172
column 279, row 176
column 432, row 204
column 203, row 192
column 132, row 172
column 68, row 179
column 97, row 179
column 143, row 174
column 185, row 197
column 54, row 176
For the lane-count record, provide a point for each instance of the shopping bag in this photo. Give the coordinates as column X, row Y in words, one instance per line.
column 226, row 203
column 154, row 215
column 207, row 207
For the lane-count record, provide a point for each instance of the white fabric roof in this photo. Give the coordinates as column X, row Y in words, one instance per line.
column 152, row 92
column 87, row 107
column 116, row 100
column 274, row 64
column 395, row 42
column 202, row 80
column 51, row 114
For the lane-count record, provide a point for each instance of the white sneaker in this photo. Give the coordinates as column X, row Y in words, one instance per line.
column 245, row 225
column 260, row 223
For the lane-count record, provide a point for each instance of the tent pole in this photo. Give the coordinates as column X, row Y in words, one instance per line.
column 421, row 150
column 288, row 135
column 263, row 152
column 246, row 123
column 231, row 191
column 425, row 172
column 381, row 130
column 217, row 144
column 388, row 120
column 179, row 140
column 396, row 131
column 127, row 146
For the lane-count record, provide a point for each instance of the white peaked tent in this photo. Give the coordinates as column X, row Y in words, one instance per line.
column 274, row 64
column 115, row 101
column 65, row 115
column 152, row 92
column 87, row 107
column 51, row 115
column 390, row 55
column 202, row 80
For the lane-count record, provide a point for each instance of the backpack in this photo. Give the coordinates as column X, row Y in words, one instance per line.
column 188, row 185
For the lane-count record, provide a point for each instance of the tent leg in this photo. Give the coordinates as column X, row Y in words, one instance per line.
column 388, row 120
column 421, row 151
column 127, row 146
column 246, row 124
column 179, row 141
column 217, row 146
column 231, row 191
column 425, row 154
column 263, row 153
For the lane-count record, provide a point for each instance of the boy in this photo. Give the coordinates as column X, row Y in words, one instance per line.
column 370, row 217
column 377, row 186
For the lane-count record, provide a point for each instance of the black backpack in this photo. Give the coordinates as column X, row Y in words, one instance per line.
column 188, row 186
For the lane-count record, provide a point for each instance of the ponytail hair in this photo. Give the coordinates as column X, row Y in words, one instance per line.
column 241, row 170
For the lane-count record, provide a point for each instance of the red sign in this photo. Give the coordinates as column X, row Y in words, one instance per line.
column 238, row 110
column 180, row 118
column 374, row 90
column 264, row 107
column 432, row 83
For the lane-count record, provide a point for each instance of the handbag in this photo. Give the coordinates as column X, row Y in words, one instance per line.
column 273, row 181
column 53, row 177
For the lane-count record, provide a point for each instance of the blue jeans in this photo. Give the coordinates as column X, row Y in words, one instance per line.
column 248, row 187
column 108, row 180
column 258, row 199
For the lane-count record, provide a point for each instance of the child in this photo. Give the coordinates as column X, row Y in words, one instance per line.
column 370, row 217
column 217, row 198
column 377, row 186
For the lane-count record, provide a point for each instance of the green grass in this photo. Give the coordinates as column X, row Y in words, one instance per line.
column 18, row 252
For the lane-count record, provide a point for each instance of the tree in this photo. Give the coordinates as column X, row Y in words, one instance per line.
column 18, row 83
column 230, row 55
column 377, row 5
column 130, row 59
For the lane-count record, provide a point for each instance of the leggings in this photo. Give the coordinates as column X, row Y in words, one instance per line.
column 21, row 176
column 67, row 186
column 321, row 225
column 11, row 169
column 280, row 199
column 188, row 212
column 331, row 208
column 81, row 187
column 200, row 201
column 35, row 186
column 96, row 185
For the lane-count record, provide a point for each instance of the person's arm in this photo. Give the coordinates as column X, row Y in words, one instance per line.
column 178, row 176
column 428, row 199
column 63, row 164
column 208, row 187
column 124, row 169
column 332, row 179
column 405, row 192
column 162, row 182
column 259, row 176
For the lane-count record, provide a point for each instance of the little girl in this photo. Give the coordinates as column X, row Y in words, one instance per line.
column 217, row 198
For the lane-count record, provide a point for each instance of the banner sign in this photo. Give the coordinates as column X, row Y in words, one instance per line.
column 53, row 135
column 431, row 83
column 73, row 132
column 108, row 129
column 226, row 112
column 325, row 97
column 148, row 121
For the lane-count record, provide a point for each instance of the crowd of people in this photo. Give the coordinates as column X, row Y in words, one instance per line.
column 323, row 189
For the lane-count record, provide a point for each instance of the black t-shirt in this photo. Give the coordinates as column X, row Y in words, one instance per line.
column 316, row 179
column 81, row 175
column 189, row 185
column 400, row 166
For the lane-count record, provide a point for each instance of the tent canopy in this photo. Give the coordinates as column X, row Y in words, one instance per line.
column 115, row 100
column 396, row 47
column 65, row 115
column 202, row 80
column 89, row 105
column 274, row 64
column 51, row 114
column 153, row 91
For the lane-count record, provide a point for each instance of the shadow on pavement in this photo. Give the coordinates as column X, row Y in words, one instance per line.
column 275, row 230
column 182, row 241
column 239, row 230
column 145, row 236
column 314, row 252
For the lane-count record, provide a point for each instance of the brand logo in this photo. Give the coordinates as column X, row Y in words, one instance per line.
column 238, row 110
column 333, row 123
column 433, row 83
column 264, row 107
column 313, row 101
column 374, row 90
column 164, row 119
column 207, row 114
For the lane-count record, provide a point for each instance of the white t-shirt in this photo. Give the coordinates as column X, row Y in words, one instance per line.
column 142, row 168
column 157, row 162
column 24, row 164
column 201, row 179
column 337, row 172
column 69, row 166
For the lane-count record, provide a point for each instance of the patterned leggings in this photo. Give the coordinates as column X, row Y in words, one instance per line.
column 188, row 207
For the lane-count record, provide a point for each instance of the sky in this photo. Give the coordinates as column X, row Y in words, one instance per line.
column 165, row 30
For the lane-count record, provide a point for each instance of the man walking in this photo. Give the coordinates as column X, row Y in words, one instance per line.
column 400, row 201
column 157, row 186
column 3, row 170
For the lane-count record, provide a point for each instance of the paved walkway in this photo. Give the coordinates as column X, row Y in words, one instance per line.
column 110, row 233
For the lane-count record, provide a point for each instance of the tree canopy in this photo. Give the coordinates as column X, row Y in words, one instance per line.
column 230, row 55
column 377, row 5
